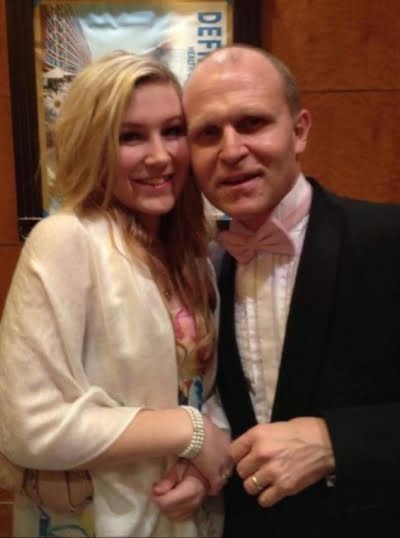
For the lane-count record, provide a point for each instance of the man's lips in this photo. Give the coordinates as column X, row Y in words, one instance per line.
column 237, row 179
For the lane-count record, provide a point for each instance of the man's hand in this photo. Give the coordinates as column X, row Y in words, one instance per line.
column 283, row 458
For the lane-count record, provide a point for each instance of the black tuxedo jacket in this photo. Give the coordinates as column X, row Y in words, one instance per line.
column 341, row 361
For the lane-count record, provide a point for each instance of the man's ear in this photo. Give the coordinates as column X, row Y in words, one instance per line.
column 302, row 126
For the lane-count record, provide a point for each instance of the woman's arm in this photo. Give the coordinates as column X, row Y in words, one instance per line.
column 157, row 433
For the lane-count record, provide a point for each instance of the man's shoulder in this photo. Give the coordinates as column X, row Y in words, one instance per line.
column 366, row 221
column 354, row 204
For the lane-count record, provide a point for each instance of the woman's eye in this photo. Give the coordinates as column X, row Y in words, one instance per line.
column 175, row 131
column 128, row 137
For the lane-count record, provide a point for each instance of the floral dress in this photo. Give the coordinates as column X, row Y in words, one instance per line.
column 191, row 362
column 192, row 365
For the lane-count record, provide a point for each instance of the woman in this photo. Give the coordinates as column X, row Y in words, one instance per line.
column 107, row 337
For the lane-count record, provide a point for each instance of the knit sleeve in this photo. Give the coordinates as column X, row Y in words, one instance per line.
column 51, row 417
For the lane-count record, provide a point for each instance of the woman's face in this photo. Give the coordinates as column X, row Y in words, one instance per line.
column 153, row 158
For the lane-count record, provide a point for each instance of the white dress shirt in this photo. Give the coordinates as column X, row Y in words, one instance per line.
column 263, row 290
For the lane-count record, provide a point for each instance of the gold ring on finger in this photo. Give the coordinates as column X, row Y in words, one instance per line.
column 255, row 482
column 225, row 475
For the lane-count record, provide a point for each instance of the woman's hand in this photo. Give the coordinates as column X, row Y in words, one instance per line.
column 214, row 460
column 181, row 491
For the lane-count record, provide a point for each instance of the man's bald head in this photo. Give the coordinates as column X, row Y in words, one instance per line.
column 246, row 131
column 232, row 56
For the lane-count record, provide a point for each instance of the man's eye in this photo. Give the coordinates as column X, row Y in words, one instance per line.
column 128, row 137
column 250, row 124
column 206, row 134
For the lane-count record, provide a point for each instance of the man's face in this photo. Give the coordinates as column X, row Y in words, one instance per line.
column 243, row 138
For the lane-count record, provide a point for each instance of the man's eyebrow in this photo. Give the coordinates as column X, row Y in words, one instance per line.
column 197, row 124
column 200, row 122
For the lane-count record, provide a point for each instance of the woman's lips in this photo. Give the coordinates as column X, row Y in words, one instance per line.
column 154, row 181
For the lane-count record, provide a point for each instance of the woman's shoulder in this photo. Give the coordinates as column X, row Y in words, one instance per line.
column 61, row 232
column 61, row 222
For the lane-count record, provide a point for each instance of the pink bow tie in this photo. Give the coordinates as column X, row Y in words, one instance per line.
column 271, row 237
column 243, row 247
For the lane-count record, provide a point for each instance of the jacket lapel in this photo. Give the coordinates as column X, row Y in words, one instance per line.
column 231, row 381
column 311, row 304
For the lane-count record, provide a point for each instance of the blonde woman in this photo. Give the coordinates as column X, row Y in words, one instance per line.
column 107, row 337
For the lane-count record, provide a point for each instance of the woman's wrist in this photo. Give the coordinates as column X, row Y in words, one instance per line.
column 195, row 445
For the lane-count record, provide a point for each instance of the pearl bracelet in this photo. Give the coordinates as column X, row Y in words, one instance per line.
column 196, row 443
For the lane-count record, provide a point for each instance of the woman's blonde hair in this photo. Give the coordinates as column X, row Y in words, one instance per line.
column 86, row 133
column 86, row 137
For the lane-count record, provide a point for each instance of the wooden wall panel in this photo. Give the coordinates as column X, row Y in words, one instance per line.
column 5, row 520
column 4, row 78
column 336, row 44
column 345, row 56
column 353, row 145
column 5, row 514
column 9, row 242
column 9, row 256
column 8, row 199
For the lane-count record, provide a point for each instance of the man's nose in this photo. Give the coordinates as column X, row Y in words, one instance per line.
column 232, row 145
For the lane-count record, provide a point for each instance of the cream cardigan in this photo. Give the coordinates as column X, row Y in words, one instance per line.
column 85, row 343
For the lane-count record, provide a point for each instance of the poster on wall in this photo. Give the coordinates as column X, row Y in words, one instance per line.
column 70, row 34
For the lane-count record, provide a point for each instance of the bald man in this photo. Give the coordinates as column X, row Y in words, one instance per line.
column 309, row 350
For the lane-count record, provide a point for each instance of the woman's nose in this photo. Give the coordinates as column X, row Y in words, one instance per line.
column 157, row 151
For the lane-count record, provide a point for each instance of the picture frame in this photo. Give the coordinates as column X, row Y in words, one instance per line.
column 246, row 28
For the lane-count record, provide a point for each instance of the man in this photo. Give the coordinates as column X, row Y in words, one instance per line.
column 309, row 371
